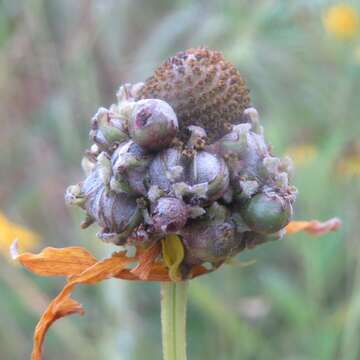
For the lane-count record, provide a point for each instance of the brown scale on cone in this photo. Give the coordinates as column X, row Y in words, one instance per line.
column 202, row 87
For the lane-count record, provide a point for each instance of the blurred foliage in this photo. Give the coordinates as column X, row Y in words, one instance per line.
column 61, row 60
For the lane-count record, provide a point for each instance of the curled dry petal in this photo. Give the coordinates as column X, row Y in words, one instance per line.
column 81, row 268
column 313, row 227
column 55, row 311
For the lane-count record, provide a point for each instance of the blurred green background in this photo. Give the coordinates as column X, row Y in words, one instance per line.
column 61, row 60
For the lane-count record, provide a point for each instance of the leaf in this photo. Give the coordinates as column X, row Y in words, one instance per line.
column 173, row 254
column 313, row 227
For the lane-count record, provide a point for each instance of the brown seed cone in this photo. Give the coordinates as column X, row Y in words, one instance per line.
column 202, row 87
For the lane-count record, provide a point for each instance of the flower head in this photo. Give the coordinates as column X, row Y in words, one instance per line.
column 179, row 168
column 145, row 187
column 342, row 21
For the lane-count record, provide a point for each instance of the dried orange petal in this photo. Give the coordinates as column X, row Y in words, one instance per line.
column 55, row 311
column 63, row 305
column 146, row 260
column 55, row 262
column 313, row 227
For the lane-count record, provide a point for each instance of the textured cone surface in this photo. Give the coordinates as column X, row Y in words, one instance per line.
column 202, row 87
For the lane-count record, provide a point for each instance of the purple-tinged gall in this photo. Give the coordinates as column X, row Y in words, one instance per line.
column 209, row 169
column 166, row 169
column 169, row 215
column 153, row 124
column 117, row 214
column 209, row 241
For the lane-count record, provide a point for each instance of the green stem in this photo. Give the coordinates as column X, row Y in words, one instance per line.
column 173, row 319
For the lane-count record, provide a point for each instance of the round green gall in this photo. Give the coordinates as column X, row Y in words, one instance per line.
column 267, row 213
column 153, row 124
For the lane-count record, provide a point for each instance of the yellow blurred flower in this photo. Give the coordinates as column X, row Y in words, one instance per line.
column 10, row 232
column 302, row 154
column 342, row 20
column 348, row 168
